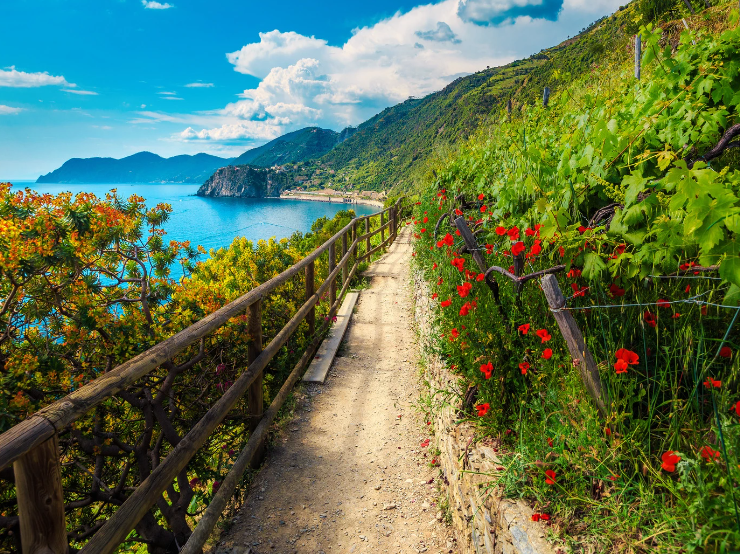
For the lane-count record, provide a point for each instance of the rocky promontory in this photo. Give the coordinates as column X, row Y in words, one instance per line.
column 245, row 181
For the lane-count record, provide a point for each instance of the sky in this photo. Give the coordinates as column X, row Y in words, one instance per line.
column 85, row 78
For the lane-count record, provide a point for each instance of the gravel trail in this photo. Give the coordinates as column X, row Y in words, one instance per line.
column 351, row 474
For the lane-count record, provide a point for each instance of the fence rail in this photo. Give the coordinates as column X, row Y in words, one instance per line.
column 32, row 445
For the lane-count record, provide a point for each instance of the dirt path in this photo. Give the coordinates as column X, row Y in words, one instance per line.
column 350, row 474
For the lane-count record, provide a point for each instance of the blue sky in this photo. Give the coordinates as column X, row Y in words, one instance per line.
column 82, row 78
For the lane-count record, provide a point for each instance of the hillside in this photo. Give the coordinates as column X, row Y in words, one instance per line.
column 298, row 146
column 390, row 149
column 143, row 167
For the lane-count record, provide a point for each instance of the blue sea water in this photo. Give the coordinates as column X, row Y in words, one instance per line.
column 214, row 222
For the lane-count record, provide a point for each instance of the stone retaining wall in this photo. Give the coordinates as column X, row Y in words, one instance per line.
column 485, row 522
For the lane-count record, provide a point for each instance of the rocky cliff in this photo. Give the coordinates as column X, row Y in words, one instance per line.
column 244, row 181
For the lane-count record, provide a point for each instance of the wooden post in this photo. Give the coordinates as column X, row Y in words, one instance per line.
column 255, row 398
column 382, row 231
column 310, row 290
column 38, row 483
column 367, row 244
column 545, row 97
column 576, row 344
column 638, row 56
column 344, row 253
column 689, row 6
column 332, row 265
column 518, row 270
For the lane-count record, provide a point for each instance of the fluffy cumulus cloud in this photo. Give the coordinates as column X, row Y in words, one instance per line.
column 156, row 5
column 20, row 79
column 306, row 81
column 9, row 110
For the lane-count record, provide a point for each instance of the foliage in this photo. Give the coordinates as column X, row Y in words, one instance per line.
column 660, row 472
column 85, row 286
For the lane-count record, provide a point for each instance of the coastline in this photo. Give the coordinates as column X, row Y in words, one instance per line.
column 332, row 199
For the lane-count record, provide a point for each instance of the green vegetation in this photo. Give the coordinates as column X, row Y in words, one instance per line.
column 304, row 144
column 609, row 181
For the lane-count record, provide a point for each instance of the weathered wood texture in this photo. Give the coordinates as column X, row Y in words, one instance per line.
column 344, row 252
column 256, row 394
column 576, row 344
column 310, row 287
column 382, row 227
column 367, row 236
column 38, row 482
column 332, row 265
column 638, row 55
column 546, row 97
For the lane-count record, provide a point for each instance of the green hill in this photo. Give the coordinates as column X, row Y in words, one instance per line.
column 390, row 149
column 298, row 146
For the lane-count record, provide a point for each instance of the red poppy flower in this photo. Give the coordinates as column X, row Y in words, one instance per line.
column 704, row 310
column 608, row 431
column 578, row 291
column 524, row 328
column 483, row 409
column 725, row 352
column 423, row 230
column 676, row 315
column 613, row 477
column 650, row 318
column 535, row 517
column 481, row 196
column 425, row 220
column 561, row 251
column 446, row 303
column 449, row 240
column 489, row 249
column 434, row 296
column 424, row 443
column 618, row 251
column 583, row 229
column 663, row 303
column 511, row 269
column 628, row 356
column 575, row 272
column 483, row 209
column 536, row 248
column 711, row 383
column 670, row 459
column 737, row 408
column 621, row 366
column 687, row 289
column 524, row 366
column 547, row 353
column 708, row 453
column 465, row 308
column 549, row 442
column 550, row 479
column 458, row 211
column 529, row 232
column 513, row 233
column 501, row 231
column 487, row 369
column 434, row 266
column 480, row 277
column 454, row 334
column 458, row 263
column 440, row 281
column 517, row 248
column 545, row 517
column 615, row 290
column 464, row 289
column 544, row 335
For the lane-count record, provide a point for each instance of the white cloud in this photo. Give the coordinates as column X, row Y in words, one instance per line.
column 307, row 81
column 9, row 110
column 171, row 98
column 168, row 93
column 20, row 79
column 200, row 85
column 156, row 5
column 81, row 92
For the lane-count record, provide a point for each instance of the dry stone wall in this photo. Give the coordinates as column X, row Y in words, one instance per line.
column 485, row 522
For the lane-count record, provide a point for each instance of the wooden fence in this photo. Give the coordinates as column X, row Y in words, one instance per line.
column 32, row 446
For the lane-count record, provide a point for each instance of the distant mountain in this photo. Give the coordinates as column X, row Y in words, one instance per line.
column 298, row 146
column 143, row 167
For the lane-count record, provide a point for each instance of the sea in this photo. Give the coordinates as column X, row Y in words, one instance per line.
column 215, row 222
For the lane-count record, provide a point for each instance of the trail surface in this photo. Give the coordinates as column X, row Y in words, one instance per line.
column 350, row 474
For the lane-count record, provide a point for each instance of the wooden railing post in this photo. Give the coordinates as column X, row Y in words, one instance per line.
column 394, row 225
column 367, row 245
column 38, row 483
column 255, row 396
column 354, row 238
column 382, row 231
column 576, row 344
column 344, row 252
column 518, row 270
column 332, row 265
column 310, row 290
